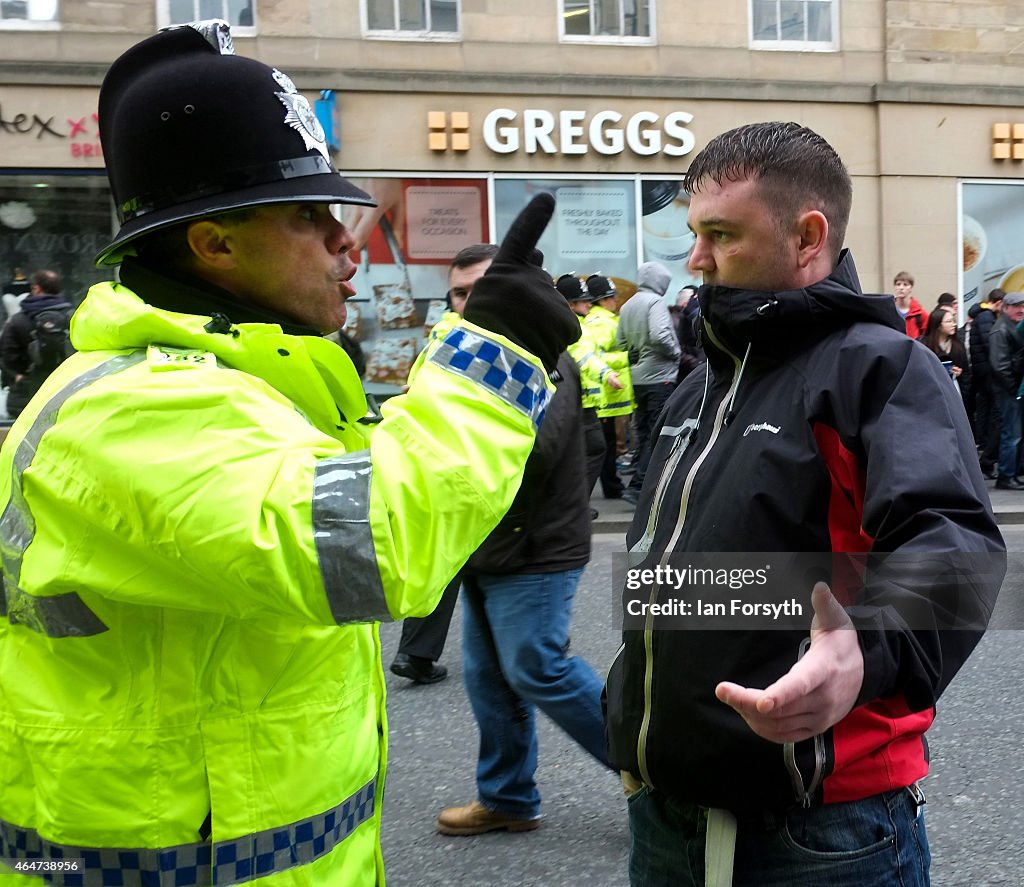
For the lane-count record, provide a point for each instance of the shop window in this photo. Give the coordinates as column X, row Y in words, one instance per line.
column 59, row 222
column 422, row 19
column 991, row 255
column 614, row 20
column 404, row 248
column 29, row 13
column 593, row 230
column 799, row 25
column 240, row 14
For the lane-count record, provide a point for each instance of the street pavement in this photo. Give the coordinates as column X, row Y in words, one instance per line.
column 975, row 791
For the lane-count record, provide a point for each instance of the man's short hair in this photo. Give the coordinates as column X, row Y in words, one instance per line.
column 47, row 281
column 795, row 168
column 905, row 276
column 996, row 295
column 474, row 255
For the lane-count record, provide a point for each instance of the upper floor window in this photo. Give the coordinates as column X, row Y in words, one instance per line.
column 29, row 13
column 240, row 14
column 411, row 18
column 794, row 24
column 614, row 20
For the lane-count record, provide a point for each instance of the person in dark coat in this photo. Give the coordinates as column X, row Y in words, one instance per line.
column 518, row 588
column 986, row 412
column 26, row 379
column 1005, row 353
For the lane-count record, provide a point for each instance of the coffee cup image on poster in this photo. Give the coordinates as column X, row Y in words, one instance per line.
column 991, row 249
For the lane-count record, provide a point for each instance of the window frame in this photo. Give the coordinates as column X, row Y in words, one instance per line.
column 163, row 18
column 31, row 24
column 614, row 39
column 425, row 35
column 796, row 45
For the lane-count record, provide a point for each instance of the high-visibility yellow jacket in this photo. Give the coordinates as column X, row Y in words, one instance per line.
column 448, row 320
column 592, row 368
column 197, row 545
column 602, row 324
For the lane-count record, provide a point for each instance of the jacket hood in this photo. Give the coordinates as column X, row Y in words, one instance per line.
column 653, row 276
column 32, row 305
column 779, row 320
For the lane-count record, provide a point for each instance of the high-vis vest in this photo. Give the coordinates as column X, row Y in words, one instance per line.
column 197, row 542
column 592, row 368
column 602, row 324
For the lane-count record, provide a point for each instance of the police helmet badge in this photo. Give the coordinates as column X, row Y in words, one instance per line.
column 300, row 116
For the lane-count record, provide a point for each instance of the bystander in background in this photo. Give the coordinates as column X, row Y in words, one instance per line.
column 647, row 335
column 910, row 309
column 35, row 339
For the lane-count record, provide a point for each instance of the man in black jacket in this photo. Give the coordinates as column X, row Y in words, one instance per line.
column 772, row 753
column 517, row 597
column 1006, row 358
column 983, row 391
column 16, row 351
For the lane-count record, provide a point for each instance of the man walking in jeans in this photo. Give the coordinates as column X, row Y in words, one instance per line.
column 646, row 332
column 517, row 595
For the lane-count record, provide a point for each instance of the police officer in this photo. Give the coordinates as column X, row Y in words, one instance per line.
column 199, row 537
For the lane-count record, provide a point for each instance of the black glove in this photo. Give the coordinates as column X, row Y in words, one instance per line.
column 517, row 298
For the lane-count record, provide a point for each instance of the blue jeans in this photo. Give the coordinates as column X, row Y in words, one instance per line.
column 876, row 842
column 1009, row 434
column 514, row 640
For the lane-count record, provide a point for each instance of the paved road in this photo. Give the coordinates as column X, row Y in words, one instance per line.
column 975, row 809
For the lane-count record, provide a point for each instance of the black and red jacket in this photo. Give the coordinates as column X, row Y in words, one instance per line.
column 819, row 427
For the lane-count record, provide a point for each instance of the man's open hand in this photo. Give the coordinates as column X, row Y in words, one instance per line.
column 818, row 691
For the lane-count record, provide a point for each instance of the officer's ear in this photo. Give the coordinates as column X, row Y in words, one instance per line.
column 210, row 243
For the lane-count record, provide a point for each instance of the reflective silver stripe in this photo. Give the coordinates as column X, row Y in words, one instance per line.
column 344, row 539
column 617, row 405
column 63, row 615
column 236, row 861
column 500, row 370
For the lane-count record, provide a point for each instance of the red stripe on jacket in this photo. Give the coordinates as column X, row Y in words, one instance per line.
column 879, row 746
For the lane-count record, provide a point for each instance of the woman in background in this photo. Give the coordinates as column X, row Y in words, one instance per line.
column 941, row 339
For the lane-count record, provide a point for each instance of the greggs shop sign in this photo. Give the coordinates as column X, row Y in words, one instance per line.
column 573, row 132
column 533, row 131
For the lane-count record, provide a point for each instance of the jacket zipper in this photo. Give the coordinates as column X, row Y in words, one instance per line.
column 805, row 794
column 684, row 435
column 645, row 724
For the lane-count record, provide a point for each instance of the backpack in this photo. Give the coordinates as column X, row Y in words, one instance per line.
column 51, row 340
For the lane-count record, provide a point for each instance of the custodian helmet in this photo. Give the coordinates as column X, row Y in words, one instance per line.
column 189, row 129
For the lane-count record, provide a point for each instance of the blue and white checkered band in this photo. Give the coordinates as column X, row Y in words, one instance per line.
column 497, row 368
column 194, row 865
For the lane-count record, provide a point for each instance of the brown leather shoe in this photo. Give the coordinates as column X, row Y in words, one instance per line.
column 475, row 819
